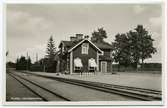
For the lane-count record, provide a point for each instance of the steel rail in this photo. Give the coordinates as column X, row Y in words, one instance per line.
column 149, row 95
column 37, row 85
column 43, row 98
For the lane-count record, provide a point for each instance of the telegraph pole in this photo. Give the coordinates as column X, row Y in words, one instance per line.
column 37, row 57
column 27, row 61
column 43, row 64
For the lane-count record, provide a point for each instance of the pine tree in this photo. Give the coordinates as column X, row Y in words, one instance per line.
column 51, row 50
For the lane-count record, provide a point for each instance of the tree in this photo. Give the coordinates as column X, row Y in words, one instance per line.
column 10, row 64
column 17, row 63
column 141, row 44
column 29, row 63
column 121, row 51
column 21, row 63
column 133, row 47
column 51, row 51
column 43, row 63
column 99, row 36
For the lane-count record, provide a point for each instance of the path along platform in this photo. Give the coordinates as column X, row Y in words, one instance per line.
column 140, row 80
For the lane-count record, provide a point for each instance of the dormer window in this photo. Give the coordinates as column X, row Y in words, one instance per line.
column 85, row 48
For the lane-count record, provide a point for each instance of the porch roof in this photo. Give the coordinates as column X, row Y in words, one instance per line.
column 103, row 45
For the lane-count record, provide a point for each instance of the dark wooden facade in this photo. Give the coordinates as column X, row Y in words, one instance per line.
column 66, row 57
column 92, row 53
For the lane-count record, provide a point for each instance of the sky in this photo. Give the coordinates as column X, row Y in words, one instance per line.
column 29, row 26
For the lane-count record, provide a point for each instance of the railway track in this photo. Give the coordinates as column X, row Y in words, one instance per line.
column 138, row 93
column 44, row 93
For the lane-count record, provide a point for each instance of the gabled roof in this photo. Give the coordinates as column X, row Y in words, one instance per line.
column 66, row 43
column 69, row 44
column 80, row 42
column 103, row 45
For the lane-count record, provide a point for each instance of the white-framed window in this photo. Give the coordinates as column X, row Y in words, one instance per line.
column 85, row 48
column 92, row 64
column 77, row 64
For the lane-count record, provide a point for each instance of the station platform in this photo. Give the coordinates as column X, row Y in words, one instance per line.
column 140, row 80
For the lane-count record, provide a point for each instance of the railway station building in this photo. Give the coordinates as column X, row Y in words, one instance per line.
column 81, row 55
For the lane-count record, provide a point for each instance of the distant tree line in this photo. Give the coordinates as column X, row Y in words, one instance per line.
column 47, row 64
column 10, row 64
column 23, row 64
column 146, row 67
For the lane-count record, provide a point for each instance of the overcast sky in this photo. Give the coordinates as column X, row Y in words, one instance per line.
column 30, row 26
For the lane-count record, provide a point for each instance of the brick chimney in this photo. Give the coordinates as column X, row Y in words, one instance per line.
column 86, row 37
column 72, row 38
column 79, row 36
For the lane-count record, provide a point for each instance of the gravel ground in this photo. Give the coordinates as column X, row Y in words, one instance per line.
column 77, row 93
column 141, row 80
column 15, row 91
